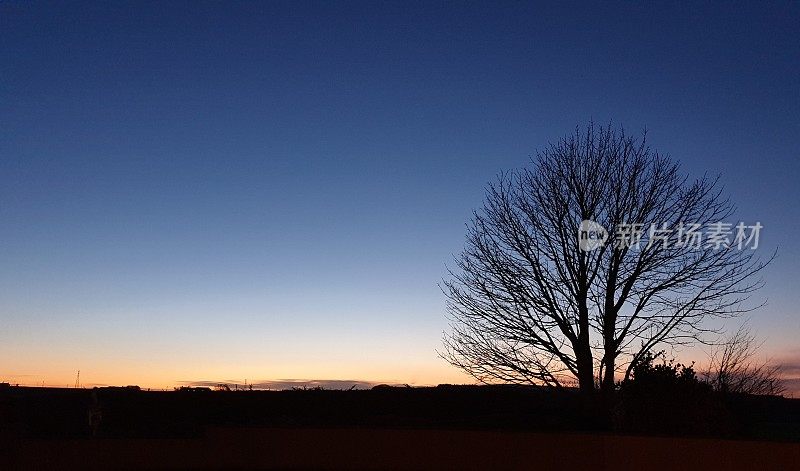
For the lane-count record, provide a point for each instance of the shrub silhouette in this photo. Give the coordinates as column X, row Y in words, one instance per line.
column 667, row 398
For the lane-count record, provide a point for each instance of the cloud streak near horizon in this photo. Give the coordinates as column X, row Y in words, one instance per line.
column 285, row 384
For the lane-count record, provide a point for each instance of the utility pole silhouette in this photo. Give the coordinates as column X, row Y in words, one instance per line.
column 78, row 380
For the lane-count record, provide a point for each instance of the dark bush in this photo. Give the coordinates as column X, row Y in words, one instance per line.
column 667, row 398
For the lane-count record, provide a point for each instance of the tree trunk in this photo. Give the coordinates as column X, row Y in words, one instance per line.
column 607, row 386
column 586, row 386
column 583, row 354
column 585, row 374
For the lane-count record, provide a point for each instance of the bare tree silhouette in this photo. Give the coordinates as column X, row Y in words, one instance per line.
column 734, row 368
column 527, row 305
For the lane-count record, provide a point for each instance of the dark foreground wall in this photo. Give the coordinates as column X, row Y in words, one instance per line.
column 41, row 413
column 399, row 449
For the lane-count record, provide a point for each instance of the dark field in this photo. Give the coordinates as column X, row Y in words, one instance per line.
column 409, row 428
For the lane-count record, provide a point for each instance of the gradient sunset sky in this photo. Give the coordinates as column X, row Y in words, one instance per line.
column 227, row 191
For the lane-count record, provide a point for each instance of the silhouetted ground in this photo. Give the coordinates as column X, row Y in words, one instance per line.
column 91, row 428
column 120, row 412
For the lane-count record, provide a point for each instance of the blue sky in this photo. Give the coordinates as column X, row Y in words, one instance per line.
column 272, row 190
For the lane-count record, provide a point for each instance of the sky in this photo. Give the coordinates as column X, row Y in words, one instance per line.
column 194, row 191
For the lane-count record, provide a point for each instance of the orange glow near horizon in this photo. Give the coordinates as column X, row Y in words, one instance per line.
column 109, row 373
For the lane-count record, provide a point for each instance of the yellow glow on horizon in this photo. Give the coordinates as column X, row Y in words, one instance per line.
column 168, row 376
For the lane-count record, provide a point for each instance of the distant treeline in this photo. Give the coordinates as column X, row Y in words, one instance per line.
column 131, row 412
